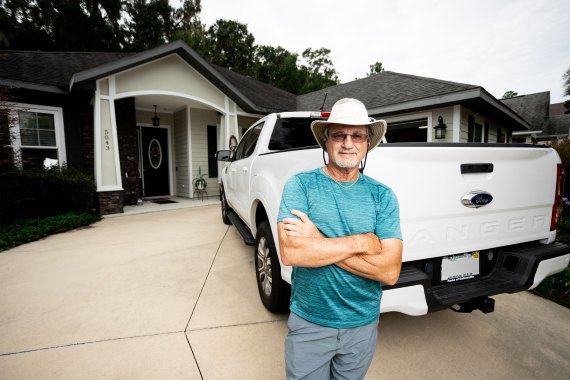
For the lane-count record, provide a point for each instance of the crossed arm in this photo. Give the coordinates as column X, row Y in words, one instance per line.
column 303, row 245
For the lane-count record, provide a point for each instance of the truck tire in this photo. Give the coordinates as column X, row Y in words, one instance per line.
column 273, row 291
column 225, row 207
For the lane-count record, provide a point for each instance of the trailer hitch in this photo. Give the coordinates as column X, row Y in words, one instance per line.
column 485, row 304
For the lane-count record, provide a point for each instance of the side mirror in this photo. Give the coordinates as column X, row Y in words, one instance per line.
column 223, row 155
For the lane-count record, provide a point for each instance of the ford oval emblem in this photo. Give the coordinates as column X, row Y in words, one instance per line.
column 476, row 199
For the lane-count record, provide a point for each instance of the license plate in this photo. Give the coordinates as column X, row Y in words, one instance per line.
column 460, row 267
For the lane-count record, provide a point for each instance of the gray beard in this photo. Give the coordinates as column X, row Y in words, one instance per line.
column 347, row 164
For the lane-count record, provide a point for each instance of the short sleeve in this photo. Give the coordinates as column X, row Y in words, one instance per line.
column 388, row 216
column 294, row 198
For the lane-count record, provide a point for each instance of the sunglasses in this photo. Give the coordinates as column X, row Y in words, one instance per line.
column 356, row 137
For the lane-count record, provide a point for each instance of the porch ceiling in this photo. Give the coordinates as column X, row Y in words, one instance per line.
column 166, row 103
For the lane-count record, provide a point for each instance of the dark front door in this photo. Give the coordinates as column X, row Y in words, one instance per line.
column 154, row 157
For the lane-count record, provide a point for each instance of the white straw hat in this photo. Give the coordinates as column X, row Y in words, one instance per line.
column 350, row 111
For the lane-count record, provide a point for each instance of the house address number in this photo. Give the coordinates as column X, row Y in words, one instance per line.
column 107, row 140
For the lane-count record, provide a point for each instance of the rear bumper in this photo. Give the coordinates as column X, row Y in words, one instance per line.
column 516, row 268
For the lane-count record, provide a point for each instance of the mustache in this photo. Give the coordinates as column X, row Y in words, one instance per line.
column 345, row 151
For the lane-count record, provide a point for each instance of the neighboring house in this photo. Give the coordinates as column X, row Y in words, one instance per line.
column 548, row 122
column 145, row 123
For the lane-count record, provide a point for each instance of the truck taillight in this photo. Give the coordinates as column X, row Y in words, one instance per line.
column 559, row 191
column 320, row 114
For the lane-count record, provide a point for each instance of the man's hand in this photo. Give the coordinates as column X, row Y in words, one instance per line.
column 302, row 244
column 303, row 227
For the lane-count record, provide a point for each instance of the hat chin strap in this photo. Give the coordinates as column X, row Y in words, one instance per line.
column 363, row 163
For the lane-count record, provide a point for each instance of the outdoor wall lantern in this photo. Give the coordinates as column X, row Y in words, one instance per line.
column 440, row 128
column 155, row 119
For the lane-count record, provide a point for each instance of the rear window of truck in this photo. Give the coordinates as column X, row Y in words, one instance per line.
column 292, row 133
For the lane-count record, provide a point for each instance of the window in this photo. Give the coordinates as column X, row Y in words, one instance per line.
column 475, row 131
column 500, row 136
column 292, row 133
column 247, row 144
column 37, row 129
column 212, row 148
column 36, row 136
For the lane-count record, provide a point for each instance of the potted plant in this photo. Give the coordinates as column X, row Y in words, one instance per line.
column 200, row 182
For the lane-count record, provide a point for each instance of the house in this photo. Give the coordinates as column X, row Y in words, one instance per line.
column 549, row 123
column 145, row 124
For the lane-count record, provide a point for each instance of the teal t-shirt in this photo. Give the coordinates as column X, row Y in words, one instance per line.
column 330, row 296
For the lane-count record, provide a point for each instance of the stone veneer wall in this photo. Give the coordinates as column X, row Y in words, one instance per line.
column 110, row 202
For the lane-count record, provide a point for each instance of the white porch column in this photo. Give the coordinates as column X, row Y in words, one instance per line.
column 107, row 162
column 230, row 123
column 456, row 123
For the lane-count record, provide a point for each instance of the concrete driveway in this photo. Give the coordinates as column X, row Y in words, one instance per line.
column 172, row 295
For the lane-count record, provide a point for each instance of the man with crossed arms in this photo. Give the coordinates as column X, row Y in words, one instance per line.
column 340, row 230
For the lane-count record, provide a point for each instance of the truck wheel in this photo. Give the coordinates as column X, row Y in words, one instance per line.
column 273, row 291
column 225, row 207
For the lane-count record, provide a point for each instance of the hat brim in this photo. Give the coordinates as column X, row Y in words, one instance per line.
column 377, row 127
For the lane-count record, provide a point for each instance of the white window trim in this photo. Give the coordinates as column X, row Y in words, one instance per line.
column 57, row 113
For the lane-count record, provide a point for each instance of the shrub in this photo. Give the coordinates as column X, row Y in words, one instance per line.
column 21, row 231
column 556, row 288
column 45, row 192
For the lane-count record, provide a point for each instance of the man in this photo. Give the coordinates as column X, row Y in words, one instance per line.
column 340, row 230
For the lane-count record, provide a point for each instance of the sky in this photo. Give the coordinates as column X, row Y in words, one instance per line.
column 501, row 45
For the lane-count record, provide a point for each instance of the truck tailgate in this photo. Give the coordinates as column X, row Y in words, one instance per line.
column 429, row 183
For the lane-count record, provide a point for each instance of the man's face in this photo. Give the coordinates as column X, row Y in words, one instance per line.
column 347, row 145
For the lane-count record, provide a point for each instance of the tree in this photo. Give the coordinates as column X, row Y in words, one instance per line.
column 188, row 15
column 82, row 25
column 151, row 23
column 137, row 25
column 566, row 77
column 277, row 67
column 376, row 68
column 231, row 45
column 510, row 94
column 318, row 70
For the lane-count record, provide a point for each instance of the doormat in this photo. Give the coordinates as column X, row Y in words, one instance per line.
column 163, row 201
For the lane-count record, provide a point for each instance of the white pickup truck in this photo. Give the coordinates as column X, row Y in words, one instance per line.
column 477, row 219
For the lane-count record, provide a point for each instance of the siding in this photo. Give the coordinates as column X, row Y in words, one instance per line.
column 479, row 119
column 447, row 115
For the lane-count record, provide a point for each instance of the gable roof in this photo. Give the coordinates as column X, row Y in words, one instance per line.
column 386, row 88
column 265, row 96
column 534, row 108
column 390, row 93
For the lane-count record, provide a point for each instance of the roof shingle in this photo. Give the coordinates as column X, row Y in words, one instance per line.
column 533, row 108
column 380, row 90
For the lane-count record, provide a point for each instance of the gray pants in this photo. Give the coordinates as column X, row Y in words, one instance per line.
column 317, row 352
